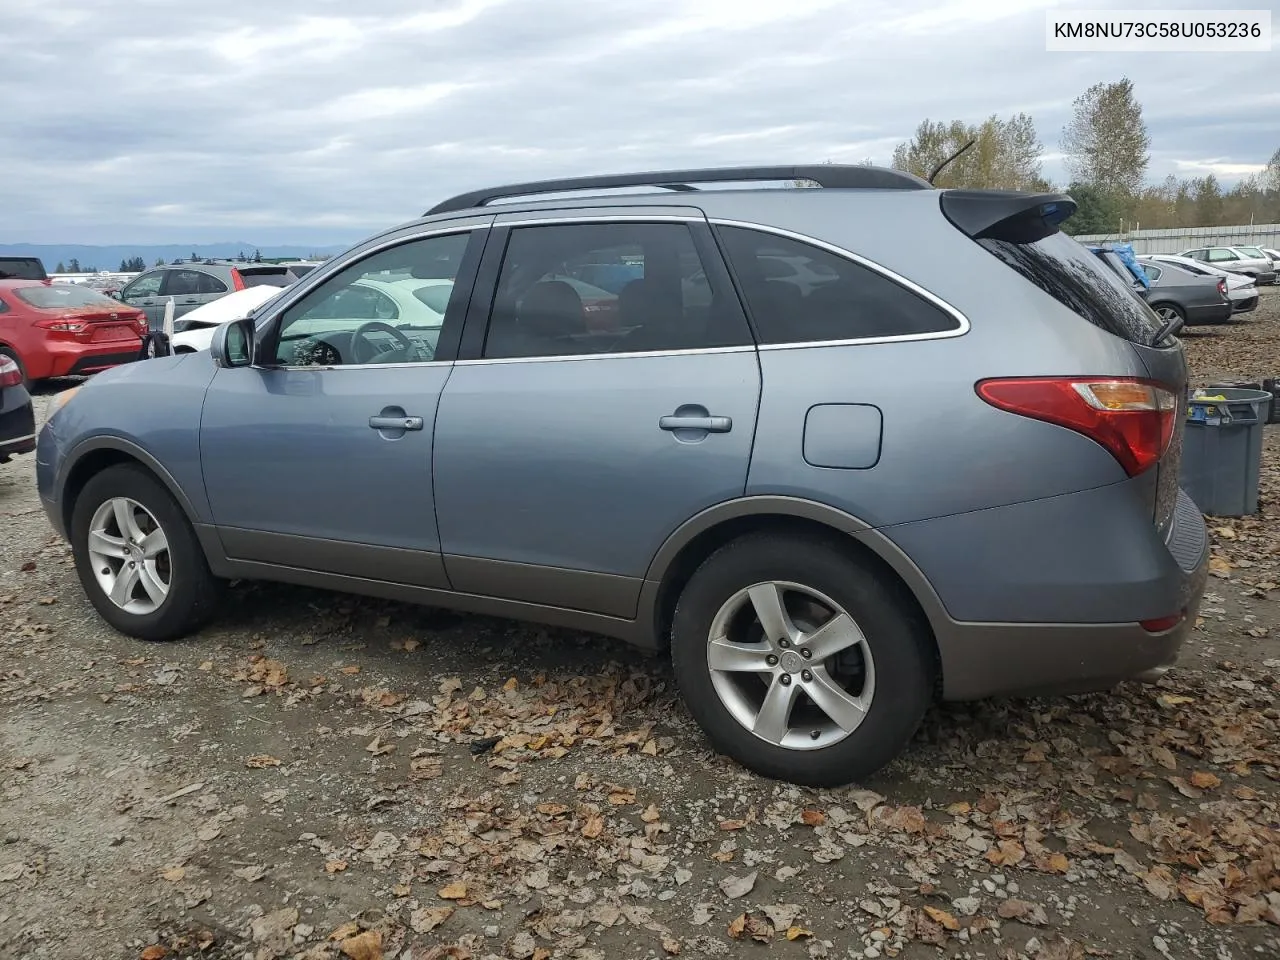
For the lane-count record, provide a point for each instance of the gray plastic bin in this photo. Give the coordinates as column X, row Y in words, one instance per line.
column 1222, row 450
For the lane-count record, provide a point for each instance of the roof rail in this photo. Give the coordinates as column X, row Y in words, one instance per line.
column 829, row 175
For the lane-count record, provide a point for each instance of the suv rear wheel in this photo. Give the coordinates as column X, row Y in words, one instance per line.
column 138, row 558
column 800, row 661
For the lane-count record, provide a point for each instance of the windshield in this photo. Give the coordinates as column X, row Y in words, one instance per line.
column 64, row 296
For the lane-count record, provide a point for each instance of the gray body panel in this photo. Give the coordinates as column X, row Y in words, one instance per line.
column 545, row 489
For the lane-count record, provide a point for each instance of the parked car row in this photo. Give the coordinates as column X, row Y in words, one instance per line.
column 193, row 285
column 1250, row 261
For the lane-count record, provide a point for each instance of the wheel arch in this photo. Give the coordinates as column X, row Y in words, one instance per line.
column 97, row 454
column 703, row 534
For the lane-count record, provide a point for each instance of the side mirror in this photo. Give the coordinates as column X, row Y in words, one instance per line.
column 232, row 344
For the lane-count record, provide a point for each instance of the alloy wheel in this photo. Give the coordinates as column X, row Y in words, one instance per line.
column 791, row 665
column 130, row 555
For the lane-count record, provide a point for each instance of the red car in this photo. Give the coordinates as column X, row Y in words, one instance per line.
column 62, row 329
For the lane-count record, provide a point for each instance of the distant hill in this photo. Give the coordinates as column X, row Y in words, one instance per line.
column 109, row 257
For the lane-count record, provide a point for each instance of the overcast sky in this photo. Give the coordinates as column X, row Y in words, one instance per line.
column 319, row 121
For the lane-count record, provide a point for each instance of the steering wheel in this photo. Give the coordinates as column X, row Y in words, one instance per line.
column 362, row 351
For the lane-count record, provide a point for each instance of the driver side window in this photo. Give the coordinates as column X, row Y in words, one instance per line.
column 386, row 308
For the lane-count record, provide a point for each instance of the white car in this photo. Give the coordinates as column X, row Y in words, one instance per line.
column 202, row 321
column 1249, row 261
column 1241, row 290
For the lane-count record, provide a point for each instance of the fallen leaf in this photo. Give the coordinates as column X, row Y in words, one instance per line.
column 621, row 796
column 363, row 946
column 734, row 887
column 428, row 918
column 155, row 951
column 1205, row 781
column 732, row 824
column 335, row 866
column 593, row 827
column 349, row 671
column 174, row 874
column 454, row 891
column 1023, row 911
column 510, row 685
column 208, row 832
column 348, row 929
column 261, row 760
column 251, row 874
column 1220, row 566
column 795, row 933
column 1164, row 756
column 812, row 818
column 940, row 916
column 672, row 946
column 757, row 928
column 651, row 814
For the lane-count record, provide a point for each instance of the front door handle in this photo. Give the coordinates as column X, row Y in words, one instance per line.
column 709, row 424
column 396, row 423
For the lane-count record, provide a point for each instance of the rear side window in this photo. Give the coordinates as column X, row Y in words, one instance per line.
column 543, row 309
column 800, row 293
column 208, row 284
column 265, row 276
column 61, row 296
column 1076, row 278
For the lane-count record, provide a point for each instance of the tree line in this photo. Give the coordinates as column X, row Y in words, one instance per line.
column 1107, row 149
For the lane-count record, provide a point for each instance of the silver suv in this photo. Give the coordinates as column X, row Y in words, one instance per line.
column 833, row 477
column 192, row 285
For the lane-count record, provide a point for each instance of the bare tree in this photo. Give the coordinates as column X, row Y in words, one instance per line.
column 1106, row 140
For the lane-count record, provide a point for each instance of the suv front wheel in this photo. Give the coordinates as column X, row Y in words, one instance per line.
column 138, row 558
column 800, row 661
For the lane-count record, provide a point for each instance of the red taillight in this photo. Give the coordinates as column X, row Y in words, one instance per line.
column 10, row 375
column 1161, row 624
column 237, row 281
column 61, row 326
column 1222, row 287
column 142, row 324
column 1132, row 418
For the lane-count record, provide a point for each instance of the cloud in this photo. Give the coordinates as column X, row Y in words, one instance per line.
column 323, row 120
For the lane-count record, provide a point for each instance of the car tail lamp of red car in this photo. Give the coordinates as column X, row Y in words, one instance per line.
column 237, row 281
column 69, row 329
column 10, row 375
column 1133, row 418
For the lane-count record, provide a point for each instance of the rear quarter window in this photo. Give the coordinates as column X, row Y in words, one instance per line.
column 1076, row 278
column 801, row 293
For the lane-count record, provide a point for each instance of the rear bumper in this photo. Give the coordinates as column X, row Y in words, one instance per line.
column 1049, row 597
column 1245, row 304
column 1209, row 313
column 78, row 359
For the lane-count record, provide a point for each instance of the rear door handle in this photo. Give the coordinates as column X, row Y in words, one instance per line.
column 709, row 424
column 396, row 423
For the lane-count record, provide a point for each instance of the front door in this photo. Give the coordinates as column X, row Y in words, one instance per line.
column 143, row 292
column 581, row 426
column 319, row 455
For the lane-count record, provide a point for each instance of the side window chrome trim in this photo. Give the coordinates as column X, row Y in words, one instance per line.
column 885, row 272
column 637, row 354
column 364, row 366
column 331, row 268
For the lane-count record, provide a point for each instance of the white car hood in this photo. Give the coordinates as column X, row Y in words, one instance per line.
column 202, row 321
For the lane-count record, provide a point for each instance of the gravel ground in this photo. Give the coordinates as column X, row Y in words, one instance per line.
column 321, row 776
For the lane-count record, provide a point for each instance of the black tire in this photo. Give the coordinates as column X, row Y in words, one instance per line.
column 7, row 352
column 194, row 592
column 1177, row 310
column 899, row 639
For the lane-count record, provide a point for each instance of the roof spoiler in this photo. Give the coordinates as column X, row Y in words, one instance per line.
column 1012, row 215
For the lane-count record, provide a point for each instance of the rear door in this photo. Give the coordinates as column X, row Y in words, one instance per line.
column 567, row 451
